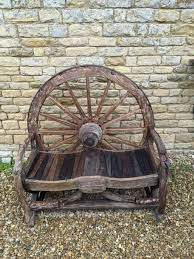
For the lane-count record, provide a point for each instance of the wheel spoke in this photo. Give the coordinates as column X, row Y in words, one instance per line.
column 79, row 108
column 57, row 131
column 103, row 99
column 74, row 146
column 88, row 97
column 59, row 120
column 103, row 118
column 66, row 110
column 123, row 130
column 108, row 145
column 129, row 114
column 62, row 142
column 119, row 140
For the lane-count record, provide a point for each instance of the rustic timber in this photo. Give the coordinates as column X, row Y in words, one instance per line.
column 91, row 157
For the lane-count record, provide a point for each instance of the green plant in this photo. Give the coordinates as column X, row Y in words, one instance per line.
column 6, row 168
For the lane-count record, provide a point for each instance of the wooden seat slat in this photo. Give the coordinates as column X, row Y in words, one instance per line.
column 53, row 167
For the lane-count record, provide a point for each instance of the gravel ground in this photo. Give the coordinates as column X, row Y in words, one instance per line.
column 107, row 234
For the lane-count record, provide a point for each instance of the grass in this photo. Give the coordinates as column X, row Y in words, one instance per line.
column 6, row 168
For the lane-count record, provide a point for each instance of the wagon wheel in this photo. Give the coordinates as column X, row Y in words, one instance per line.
column 90, row 125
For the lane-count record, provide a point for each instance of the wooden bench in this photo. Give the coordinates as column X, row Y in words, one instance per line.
column 101, row 141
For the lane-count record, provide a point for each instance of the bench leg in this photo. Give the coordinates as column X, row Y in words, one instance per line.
column 162, row 191
column 29, row 215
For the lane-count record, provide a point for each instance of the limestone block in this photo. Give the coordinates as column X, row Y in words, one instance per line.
column 33, row 30
column 119, row 29
column 81, row 51
column 85, row 30
column 167, row 15
column 10, row 124
column 50, row 15
column 21, row 15
column 87, row 15
column 102, row 41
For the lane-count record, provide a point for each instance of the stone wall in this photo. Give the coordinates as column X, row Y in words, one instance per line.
column 149, row 41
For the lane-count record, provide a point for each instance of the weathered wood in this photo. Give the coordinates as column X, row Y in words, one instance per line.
column 92, row 170
column 115, row 197
column 62, row 142
column 66, row 110
column 41, row 157
column 88, row 96
column 97, row 204
column 59, row 120
column 57, row 132
column 100, row 105
column 107, row 144
column 119, row 118
column 79, row 108
column 108, row 182
column 29, row 215
column 90, row 134
column 123, row 130
column 119, row 140
column 113, row 108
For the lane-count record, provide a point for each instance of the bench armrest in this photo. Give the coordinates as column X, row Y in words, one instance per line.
column 18, row 162
column 164, row 159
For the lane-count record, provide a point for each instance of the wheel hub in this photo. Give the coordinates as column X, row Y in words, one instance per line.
column 90, row 134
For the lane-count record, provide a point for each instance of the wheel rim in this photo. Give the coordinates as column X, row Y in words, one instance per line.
column 90, row 109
